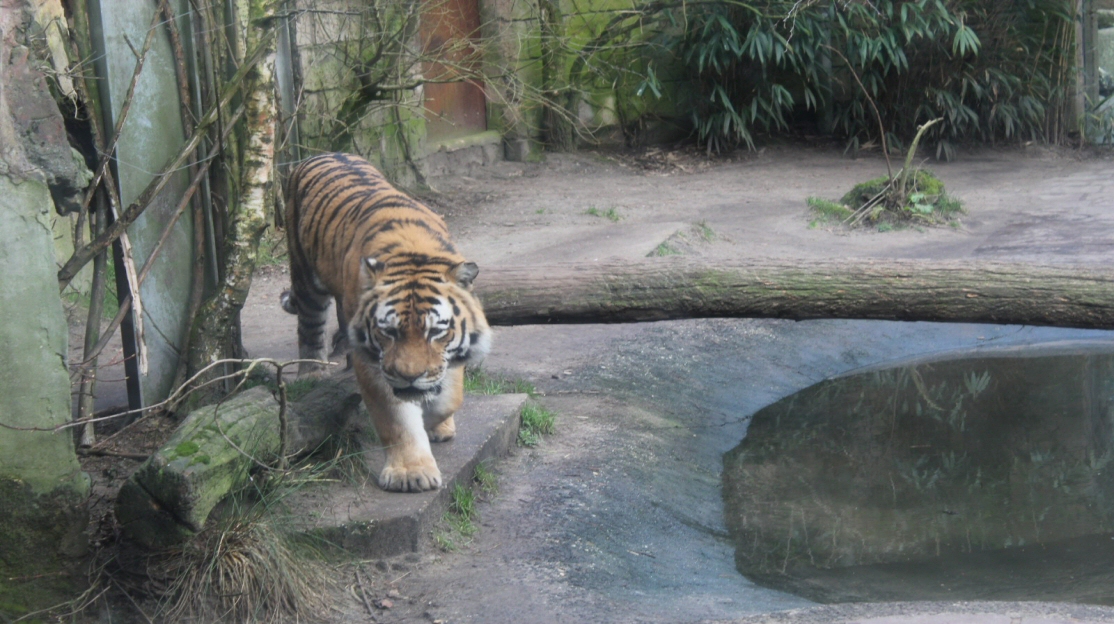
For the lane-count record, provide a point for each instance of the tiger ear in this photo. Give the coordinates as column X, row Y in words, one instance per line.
column 464, row 273
column 369, row 270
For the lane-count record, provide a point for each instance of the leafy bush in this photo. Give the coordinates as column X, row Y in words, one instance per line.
column 994, row 70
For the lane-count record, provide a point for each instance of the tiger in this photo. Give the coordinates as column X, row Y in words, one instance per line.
column 404, row 303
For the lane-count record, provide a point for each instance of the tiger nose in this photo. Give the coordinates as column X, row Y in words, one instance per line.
column 408, row 377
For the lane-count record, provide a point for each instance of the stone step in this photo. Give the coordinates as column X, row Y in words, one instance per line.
column 366, row 521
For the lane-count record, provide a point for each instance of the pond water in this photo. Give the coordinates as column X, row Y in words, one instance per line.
column 973, row 478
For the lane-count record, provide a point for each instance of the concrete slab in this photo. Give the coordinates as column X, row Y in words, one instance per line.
column 940, row 613
column 369, row 522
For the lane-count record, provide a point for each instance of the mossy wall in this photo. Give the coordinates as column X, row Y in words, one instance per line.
column 615, row 92
column 42, row 487
column 41, row 484
column 344, row 46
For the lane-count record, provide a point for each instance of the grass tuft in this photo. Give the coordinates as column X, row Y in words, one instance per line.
column 829, row 209
column 664, row 249
column 536, row 421
column 705, row 231
column 459, row 520
column 610, row 214
column 486, row 479
column 477, row 381
column 241, row 569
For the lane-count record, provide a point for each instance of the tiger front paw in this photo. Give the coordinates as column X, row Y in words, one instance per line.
column 410, row 478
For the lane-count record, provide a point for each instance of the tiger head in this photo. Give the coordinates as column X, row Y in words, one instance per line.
column 418, row 319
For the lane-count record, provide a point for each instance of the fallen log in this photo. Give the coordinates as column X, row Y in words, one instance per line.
column 213, row 451
column 654, row 289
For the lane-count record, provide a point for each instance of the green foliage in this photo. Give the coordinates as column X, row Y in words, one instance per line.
column 664, row 249
column 477, row 381
column 827, row 208
column 486, row 479
column 992, row 70
column 536, row 421
column 187, row 448
column 459, row 520
column 610, row 214
column 881, row 202
column 705, row 231
column 1098, row 120
column 464, row 502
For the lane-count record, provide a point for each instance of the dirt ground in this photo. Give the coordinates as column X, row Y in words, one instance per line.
column 616, row 516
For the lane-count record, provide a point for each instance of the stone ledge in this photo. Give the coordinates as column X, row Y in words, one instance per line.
column 364, row 520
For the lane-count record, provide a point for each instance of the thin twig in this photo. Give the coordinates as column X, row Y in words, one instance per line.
column 28, row 616
column 131, row 274
column 125, row 303
column 81, row 257
column 869, row 203
column 282, row 416
column 134, row 603
column 117, row 132
column 239, row 450
column 175, row 397
column 171, row 21
column 108, row 453
column 861, row 213
column 104, row 442
column 877, row 115
column 87, row 388
column 363, row 594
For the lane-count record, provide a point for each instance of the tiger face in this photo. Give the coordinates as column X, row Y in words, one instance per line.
column 417, row 324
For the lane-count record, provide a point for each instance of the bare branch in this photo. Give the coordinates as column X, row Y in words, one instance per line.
column 82, row 256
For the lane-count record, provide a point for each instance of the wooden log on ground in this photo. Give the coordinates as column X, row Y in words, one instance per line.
column 212, row 452
column 654, row 289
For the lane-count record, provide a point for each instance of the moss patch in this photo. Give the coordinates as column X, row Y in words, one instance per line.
column 880, row 204
column 42, row 539
column 187, row 448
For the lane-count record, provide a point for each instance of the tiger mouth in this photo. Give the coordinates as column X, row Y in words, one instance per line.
column 416, row 394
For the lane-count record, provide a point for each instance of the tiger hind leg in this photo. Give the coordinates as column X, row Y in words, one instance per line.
column 311, row 304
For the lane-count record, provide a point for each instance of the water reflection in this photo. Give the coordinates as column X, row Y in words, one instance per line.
column 966, row 479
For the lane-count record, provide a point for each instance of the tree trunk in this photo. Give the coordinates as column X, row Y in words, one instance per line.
column 215, row 333
column 907, row 290
column 558, row 100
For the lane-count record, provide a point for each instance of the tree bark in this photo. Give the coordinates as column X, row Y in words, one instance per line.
column 215, row 332
column 968, row 291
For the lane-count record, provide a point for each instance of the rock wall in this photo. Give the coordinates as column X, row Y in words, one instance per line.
column 41, row 485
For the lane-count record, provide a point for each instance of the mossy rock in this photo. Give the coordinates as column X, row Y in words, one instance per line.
column 925, row 202
column 923, row 182
column 863, row 192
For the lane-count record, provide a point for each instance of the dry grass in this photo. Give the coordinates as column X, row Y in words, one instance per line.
column 243, row 569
